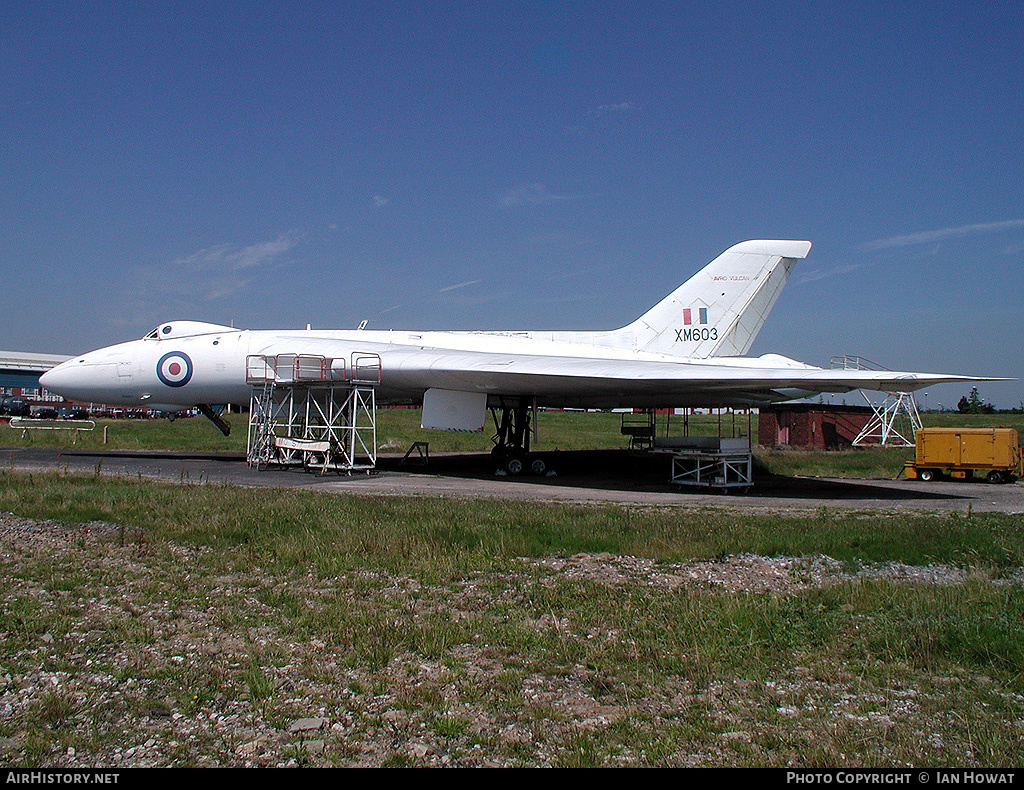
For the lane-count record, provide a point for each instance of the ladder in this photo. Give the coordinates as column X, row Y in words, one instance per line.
column 896, row 419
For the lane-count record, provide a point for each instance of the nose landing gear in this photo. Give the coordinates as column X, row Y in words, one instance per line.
column 214, row 416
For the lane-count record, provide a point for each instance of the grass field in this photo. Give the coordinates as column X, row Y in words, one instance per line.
column 149, row 624
column 191, row 625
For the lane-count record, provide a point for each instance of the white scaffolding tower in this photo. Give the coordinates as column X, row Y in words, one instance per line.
column 313, row 411
column 894, row 422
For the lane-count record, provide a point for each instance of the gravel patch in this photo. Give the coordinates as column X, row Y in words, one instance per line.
column 742, row 573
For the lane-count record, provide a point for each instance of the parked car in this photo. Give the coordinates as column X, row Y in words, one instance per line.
column 46, row 414
column 14, row 406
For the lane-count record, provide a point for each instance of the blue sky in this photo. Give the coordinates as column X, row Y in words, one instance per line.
column 539, row 165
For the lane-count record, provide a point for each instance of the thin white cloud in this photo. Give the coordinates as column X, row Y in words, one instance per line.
column 930, row 236
column 211, row 274
column 380, row 201
column 458, row 285
column 232, row 256
column 223, row 287
column 531, row 195
column 605, row 109
column 814, row 276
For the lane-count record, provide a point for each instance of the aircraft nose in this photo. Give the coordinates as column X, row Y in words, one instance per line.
column 57, row 379
column 83, row 379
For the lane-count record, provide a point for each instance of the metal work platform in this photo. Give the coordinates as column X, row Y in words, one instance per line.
column 314, row 412
column 717, row 463
column 710, row 462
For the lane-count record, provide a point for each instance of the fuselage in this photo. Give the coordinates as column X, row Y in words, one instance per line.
column 182, row 364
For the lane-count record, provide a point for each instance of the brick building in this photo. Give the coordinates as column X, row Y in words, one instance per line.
column 811, row 426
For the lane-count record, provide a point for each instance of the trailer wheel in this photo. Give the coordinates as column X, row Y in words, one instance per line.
column 995, row 477
column 927, row 475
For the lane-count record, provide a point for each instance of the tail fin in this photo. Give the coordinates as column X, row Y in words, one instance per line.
column 719, row 311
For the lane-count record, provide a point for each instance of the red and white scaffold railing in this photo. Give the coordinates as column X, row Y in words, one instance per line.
column 313, row 411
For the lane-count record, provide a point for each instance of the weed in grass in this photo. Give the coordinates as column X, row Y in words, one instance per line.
column 149, row 704
column 540, row 714
column 258, row 683
column 399, row 760
column 602, row 683
column 581, row 751
column 436, row 634
column 24, row 618
column 420, row 698
column 449, row 726
column 508, row 682
column 53, row 708
column 38, row 748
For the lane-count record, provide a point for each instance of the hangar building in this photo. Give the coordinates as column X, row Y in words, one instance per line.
column 20, row 372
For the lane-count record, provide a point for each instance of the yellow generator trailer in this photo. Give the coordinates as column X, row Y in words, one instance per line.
column 960, row 452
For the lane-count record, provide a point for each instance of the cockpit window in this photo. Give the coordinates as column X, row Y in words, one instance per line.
column 180, row 329
column 160, row 331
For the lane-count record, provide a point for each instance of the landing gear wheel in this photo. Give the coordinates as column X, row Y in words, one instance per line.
column 512, row 437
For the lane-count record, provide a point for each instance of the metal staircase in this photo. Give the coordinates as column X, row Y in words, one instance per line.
column 312, row 411
column 896, row 419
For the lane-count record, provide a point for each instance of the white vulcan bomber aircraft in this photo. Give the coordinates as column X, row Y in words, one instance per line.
column 687, row 350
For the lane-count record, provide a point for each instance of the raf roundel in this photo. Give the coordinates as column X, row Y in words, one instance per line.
column 174, row 369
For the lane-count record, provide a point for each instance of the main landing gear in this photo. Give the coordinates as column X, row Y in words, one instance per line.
column 513, row 430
